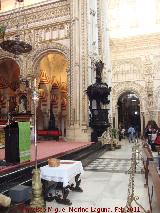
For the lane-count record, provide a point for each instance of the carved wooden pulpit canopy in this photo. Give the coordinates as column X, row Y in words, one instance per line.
column 99, row 92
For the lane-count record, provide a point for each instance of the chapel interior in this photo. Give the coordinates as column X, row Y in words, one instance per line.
column 79, row 99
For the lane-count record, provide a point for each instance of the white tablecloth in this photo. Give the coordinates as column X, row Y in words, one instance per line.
column 65, row 173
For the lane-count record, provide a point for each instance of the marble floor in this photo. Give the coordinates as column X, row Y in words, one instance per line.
column 105, row 184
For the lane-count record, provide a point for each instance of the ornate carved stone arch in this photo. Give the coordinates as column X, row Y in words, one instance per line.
column 6, row 55
column 38, row 54
column 120, row 88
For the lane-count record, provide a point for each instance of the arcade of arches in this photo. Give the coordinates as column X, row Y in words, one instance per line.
column 52, row 86
column 53, row 91
column 9, row 84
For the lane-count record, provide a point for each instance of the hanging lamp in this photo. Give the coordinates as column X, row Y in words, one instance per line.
column 16, row 46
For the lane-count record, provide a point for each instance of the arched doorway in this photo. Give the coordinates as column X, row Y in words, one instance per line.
column 52, row 110
column 129, row 111
column 9, row 82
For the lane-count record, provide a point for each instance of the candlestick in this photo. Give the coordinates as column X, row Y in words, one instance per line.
column 37, row 200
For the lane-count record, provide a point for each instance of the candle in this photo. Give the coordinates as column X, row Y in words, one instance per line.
column 35, row 82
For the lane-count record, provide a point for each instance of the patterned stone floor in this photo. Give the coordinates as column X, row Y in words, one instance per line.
column 112, row 165
column 105, row 184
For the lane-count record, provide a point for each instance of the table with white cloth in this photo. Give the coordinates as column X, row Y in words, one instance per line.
column 58, row 181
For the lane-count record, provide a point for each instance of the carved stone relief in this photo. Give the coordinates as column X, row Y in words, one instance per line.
column 157, row 98
column 127, row 70
column 37, row 25
column 45, row 31
column 55, row 12
column 120, row 88
column 18, row 60
column 84, row 61
column 139, row 55
column 37, row 54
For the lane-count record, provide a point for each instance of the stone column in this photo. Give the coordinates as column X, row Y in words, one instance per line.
column 155, row 116
column 103, row 44
column 146, row 117
column 142, row 123
column 78, row 128
column 116, row 117
column 92, row 40
column 158, row 118
column 74, row 69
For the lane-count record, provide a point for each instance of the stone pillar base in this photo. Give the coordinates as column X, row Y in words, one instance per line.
column 78, row 134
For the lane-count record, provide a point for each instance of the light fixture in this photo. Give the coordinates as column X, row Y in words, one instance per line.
column 16, row 46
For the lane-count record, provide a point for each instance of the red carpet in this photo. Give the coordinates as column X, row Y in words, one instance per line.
column 46, row 149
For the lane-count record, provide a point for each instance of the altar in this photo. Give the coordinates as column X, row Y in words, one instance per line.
column 64, row 178
column 21, row 116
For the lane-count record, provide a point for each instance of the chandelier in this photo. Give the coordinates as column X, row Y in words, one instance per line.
column 16, row 46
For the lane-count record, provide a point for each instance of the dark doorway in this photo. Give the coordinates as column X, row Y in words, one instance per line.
column 129, row 111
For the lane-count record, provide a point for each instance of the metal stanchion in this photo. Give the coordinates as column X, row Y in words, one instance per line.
column 37, row 197
column 131, row 186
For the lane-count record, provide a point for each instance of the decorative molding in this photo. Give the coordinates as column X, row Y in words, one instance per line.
column 135, row 42
column 39, row 26
column 71, row 83
column 100, row 27
column 38, row 54
column 127, row 70
column 38, row 14
column 84, row 65
column 120, row 88
column 157, row 98
column 7, row 55
column 141, row 54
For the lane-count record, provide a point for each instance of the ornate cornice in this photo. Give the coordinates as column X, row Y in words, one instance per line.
column 50, row 11
column 135, row 42
column 134, row 64
column 39, row 25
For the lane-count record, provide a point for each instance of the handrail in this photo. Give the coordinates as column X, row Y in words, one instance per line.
column 156, row 181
